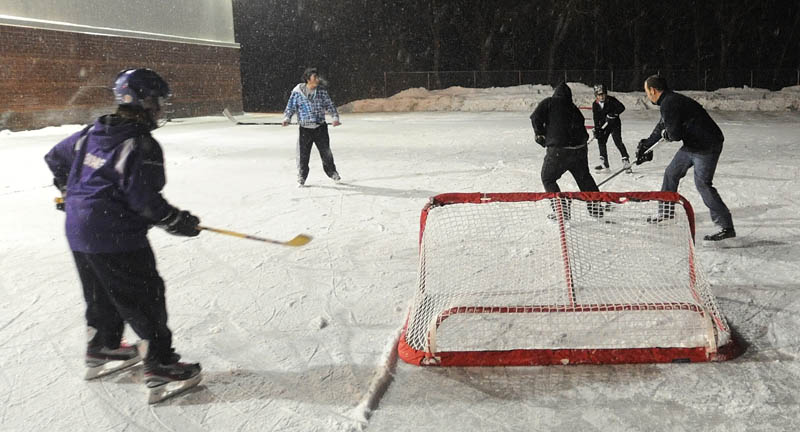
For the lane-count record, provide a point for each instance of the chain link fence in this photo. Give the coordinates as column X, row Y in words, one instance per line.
column 623, row 80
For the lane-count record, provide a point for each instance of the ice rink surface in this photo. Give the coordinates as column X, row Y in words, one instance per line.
column 299, row 339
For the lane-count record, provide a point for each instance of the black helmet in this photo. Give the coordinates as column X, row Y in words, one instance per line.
column 599, row 89
column 133, row 86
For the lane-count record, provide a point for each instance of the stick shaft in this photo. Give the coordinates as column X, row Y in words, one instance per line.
column 237, row 234
column 299, row 240
column 623, row 169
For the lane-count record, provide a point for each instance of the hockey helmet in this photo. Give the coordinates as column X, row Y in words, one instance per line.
column 599, row 89
column 133, row 86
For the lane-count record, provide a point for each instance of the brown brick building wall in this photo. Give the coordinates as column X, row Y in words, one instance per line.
column 50, row 77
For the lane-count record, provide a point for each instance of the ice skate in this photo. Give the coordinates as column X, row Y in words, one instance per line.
column 626, row 163
column 336, row 178
column 655, row 219
column 553, row 217
column 166, row 380
column 603, row 165
column 103, row 361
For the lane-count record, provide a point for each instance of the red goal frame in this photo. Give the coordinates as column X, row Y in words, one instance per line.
column 523, row 357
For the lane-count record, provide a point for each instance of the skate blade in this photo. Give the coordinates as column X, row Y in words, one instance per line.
column 173, row 388
column 109, row 368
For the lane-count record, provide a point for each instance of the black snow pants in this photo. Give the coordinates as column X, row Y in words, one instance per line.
column 616, row 135
column 309, row 137
column 125, row 287
column 559, row 160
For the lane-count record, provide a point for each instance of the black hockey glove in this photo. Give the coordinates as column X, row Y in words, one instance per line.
column 180, row 222
column 642, row 155
column 541, row 139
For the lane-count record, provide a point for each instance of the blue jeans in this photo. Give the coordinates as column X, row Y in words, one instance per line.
column 704, row 167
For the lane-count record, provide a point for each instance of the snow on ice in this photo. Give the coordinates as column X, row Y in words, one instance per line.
column 300, row 339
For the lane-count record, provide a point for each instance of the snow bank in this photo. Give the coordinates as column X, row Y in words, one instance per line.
column 525, row 98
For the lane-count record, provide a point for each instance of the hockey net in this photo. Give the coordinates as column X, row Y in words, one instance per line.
column 561, row 278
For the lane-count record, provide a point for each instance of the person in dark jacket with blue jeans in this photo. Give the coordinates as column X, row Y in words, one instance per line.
column 559, row 127
column 111, row 175
column 683, row 119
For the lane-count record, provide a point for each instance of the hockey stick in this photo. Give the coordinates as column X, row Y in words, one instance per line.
column 230, row 117
column 299, row 240
column 594, row 137
column 626, row 168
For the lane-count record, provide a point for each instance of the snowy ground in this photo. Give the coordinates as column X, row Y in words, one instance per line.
column 296, row 339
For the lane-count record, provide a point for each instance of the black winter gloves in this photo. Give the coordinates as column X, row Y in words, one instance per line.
column 541, row 139
column 642, row 155
column 180, row 222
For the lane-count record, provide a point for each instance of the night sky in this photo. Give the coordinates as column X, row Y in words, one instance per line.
column 698, row 44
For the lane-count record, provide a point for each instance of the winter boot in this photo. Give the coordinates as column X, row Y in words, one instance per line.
column 722, row 235
column 336, row 178
column 603, row 164
column 627, row 165
column 165, row 380
column 101, row 361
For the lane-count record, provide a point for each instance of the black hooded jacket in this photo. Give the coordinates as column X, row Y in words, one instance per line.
column 686, row 120
column 559, row 120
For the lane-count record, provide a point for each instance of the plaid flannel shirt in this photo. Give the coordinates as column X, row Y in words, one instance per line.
column 310, row 110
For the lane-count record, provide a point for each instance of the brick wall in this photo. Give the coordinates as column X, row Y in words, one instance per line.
column 52, row 77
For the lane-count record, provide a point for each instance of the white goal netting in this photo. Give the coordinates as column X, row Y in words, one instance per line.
column 605, row 271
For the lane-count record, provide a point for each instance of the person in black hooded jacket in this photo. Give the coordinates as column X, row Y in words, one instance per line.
column 683, row 119
column 559, row 127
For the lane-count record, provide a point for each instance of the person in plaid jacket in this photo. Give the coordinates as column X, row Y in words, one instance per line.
column 310, row 102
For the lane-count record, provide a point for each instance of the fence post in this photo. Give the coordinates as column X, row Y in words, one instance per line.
column 428, row 75
column 751, row 78
column 384, row 85
column 475, row 79
column 705, row 80
column 519, row 77
column 565, row 75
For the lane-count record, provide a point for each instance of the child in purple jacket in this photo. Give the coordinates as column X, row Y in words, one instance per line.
column 111, row 175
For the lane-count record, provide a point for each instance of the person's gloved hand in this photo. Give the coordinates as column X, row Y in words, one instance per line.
column 180, row 222
column 541, row 139
column 61, row 184
column 642, row 155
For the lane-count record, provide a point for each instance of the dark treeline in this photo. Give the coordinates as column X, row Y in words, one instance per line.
column 354, row 41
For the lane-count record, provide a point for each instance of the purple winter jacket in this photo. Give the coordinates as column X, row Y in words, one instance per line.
column 113, row 180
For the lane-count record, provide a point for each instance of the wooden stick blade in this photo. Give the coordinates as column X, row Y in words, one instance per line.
column 300, row 240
